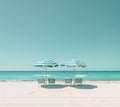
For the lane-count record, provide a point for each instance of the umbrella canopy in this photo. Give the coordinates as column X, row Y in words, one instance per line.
column 46, row 64
column 74, row 63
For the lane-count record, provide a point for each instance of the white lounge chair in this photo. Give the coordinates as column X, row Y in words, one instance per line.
column 51, row 81
column 41, row 81
column 68, row 81
column 78, row 81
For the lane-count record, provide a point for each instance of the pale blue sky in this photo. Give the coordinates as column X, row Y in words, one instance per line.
column 60, row 30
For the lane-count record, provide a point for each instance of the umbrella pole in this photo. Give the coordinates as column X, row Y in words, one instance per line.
column 46, row 74
column 74, row 75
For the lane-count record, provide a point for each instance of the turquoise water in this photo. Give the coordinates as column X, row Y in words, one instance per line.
column 30, row 75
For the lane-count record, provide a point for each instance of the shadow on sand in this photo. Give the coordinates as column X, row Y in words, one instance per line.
column 84, row 86
column 59, row 86
column 56, row 86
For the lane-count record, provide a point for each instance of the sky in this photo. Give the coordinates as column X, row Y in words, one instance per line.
column 60, row 30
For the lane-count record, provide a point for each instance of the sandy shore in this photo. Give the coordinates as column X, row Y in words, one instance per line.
column 90, row 94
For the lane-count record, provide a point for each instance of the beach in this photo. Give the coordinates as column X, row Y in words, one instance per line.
column 30, row 94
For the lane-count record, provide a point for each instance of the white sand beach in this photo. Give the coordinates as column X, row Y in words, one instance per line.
column 90, row 94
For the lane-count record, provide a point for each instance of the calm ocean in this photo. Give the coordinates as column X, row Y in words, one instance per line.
column 89, row 75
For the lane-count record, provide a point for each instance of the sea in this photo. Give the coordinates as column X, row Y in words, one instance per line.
column 59, row 75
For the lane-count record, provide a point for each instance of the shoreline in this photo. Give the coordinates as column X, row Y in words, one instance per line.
column 105, row 81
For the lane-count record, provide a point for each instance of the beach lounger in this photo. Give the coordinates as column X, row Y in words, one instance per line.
column 41, row 81
column 51, row 81
column 78, row 81
column 68, row 81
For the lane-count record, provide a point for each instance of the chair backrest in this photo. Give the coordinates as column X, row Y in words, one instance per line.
column 51, row 80
column 41, row 80
column 78, row 80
